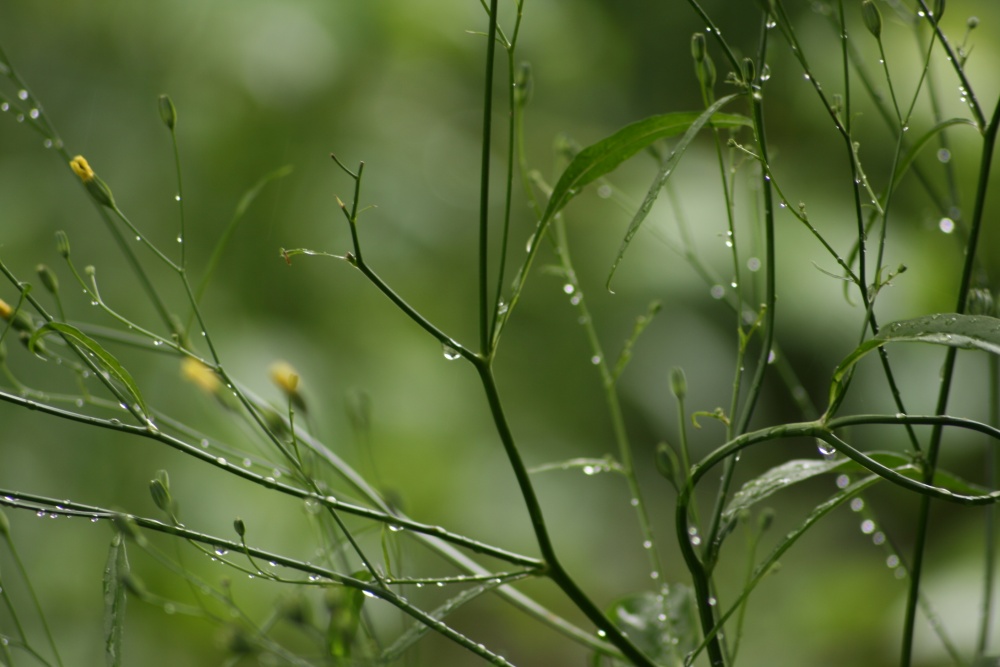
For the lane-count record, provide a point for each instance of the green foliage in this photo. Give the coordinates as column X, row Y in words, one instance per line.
column 345, row 549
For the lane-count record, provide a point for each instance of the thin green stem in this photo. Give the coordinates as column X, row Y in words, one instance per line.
column 947, row 373
column 484, row 184
column 990, row 548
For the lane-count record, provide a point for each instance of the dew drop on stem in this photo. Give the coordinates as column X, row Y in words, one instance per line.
column 450, row 353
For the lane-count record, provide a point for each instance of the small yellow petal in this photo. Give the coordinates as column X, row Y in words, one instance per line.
column 5, row 310
column 81, row 168
column 200, row 375
column 285, row 377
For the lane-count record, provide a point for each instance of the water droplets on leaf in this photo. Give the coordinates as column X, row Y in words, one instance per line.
column 946, row 225
column 450, row 353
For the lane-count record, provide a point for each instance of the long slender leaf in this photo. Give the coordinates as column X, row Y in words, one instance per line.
column 971, row 332
column 664, row 173
column 604, row 157
column 922, row 141
column 105, row 358
column 115, row 570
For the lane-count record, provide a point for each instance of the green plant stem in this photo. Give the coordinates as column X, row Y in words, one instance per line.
column 484, row 184
column 990, row 548
column 34, row 598
column 553, row 568
column 947, row 373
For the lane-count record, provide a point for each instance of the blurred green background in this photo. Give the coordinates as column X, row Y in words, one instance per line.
column 260, row 84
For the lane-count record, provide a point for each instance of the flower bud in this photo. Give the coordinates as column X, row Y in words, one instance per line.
column 698, row 47
column 97, row 188
column 239, row 527
column 980, row 302
column 749, row 71
column 62, row 244
column 168, row 113
column 678, row 383
column 765, row 519
column 872, row 17
column 159, row 488
column 48, row 278
column 667, row 464
column 20, row 320
column 201, row 376
column 972, row 23
column 286, row 378
column 524, row 84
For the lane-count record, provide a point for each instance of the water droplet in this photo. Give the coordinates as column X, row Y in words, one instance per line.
column 47, row 143
column 753, row 264
column 712, row 602
column 878, row 538
column 604, row 191
column 180, row 239
column 502, row 307
column 394, row 528
column 368, row 594
column 4, row 106
column 771, row 356
column 900, row 415
column 576, row 299
column 220, row 551
column 654, row 575
column 247, row 463
column 177, row 197
column 946, row 225
column 867, row 526
column 450, row 353
column 892, row 561
column 312, row 506
column 647, row 544
column 806, row 76
column 825, row 449
column 602, row 633
column 717, row 291
column 568, row 288
column 94, row 519
column 22, row 94
column 204, row 443
column 34, row 113
column 596, row 360
column 843, row 481
column 530, row 243
column 857, row 504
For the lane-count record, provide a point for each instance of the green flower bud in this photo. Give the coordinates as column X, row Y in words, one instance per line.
column 678, row 383
column 239, row 527
column 168, row 113
column 765, row 519
column 872, row 17
column 668, row 465
column 524, row 84
column 62, row 244
column 161, row 495
column 97, row 188
column 749, row 71
column 972, row 23
column 698, row 47
column 48, row 278
column 938, row 9
column 980, row 302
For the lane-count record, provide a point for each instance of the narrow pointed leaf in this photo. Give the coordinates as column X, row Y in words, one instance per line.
column 793, row 472
column 115, row 570
column 604, row 157
column 971, row 332
column 663, row 625
column 922, row 141
column 102, row 356
column 664, row 173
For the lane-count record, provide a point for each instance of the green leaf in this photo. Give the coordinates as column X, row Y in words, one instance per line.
column 971, row 332
column 241, row 208
column 418, row 629
column 115, row 570
column 344, row 604
column 666, row 169
column 604, row 157
column 103, row 357
column 922, row 141
column 793, row 472
column 663, row 626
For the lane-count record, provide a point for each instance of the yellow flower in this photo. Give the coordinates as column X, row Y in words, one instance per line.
column 97, row 188
column 285, row 377
column 200, row 375
column 5, row 310
column 81, row 168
